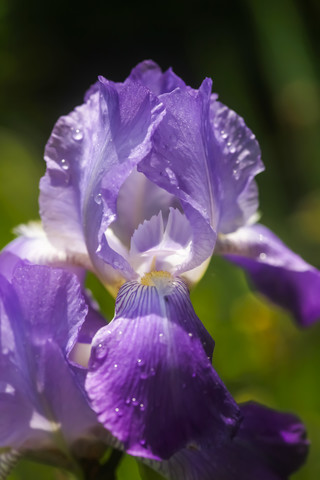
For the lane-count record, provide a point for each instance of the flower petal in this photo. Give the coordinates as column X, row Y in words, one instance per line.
column 150, row 75
column 182, row 163
column 89, row 155
column 158, row 247
column 41, row 397
column 150, row 376
column 238, row 159
column 275, row 270
column 269, row 445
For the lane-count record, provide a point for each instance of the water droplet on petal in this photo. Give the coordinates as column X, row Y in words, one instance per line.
column 118, row 412
column 152, row 372
column 115, row 365
column 140, row 362
column 160, row 335
column 262, row 256
column 134, row 401
column 64, row 164
column 77, row 134
column 224, row 134
column 128, row 401
column 98, row 198
column 190, row 334
column 142, row 407
column 142, row 442
column 236, row 173
column 101, row 351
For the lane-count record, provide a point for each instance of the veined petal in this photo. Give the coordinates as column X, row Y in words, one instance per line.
column 150, row 75
column 275, row 270
column 150, row 374
column 269, row 445
column 89, row 155
column 139, row 200
column 238, row 159
column 156, row 246
column 182, row 163
column 42, row 402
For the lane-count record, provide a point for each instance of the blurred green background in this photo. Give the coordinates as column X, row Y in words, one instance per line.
column 264, row 61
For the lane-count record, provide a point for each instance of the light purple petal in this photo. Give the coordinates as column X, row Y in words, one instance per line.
column 238, row 159
column 277, row 272
column 150, row 375
column 89, row 155
column 41, row 396
column 139, row 200
column 268, row 446
column 150, row 75
column 182, row 163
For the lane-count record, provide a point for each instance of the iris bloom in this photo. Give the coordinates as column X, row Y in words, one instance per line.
column 44, row 409
column 144, row 182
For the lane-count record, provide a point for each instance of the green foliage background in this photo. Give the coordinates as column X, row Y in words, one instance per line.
column 264, row 60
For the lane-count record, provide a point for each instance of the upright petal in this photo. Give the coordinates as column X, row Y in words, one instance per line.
column 89, row 155
column 182, row 163
column 150, row 374
column 238, row 159
column 151, row 76
column 275, row 270
column 269, row 445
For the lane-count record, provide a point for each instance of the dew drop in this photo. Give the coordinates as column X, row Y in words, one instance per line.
column 128, row 401
column 142, row 407
column 98, row 198
column 142, row 442
column 236, row 173
column 152, row 372
column 134, row 401
column 101, row 351
column 118, row 412
column 64, row 164
column 262, row 256
column 224, row 134
column 140, row 362
column 190, row 334
column 115, row 365
column 160, row 335
column 77, row 134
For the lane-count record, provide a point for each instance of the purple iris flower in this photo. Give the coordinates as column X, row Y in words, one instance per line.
column 43, row 405
column 144, row 182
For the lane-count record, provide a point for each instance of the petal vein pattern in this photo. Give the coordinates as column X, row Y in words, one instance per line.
column 150, row 373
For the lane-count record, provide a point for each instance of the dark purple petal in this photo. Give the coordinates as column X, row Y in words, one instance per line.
column 150, row 75
column 268, row 446
column 41, row 396
column 89, row 155
column 238, row 159
column 277, row 272
column 182, row 163
column 279, row 437
column 150, row 374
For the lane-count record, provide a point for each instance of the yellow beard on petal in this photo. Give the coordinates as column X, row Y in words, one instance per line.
column 155, row 278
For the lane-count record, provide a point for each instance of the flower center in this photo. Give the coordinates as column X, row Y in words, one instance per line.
column 157, row 278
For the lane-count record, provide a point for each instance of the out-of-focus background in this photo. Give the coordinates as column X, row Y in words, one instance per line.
column 264, row 61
